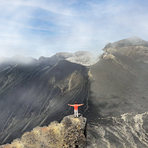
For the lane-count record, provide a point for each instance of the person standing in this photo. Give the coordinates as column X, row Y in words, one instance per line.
column 75, row 108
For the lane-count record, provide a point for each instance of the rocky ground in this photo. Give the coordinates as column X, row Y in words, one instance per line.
column 70, row 133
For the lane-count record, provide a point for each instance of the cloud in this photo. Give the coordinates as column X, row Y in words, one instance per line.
column 42, row 28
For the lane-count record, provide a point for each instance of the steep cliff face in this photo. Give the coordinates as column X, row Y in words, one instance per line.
column 70, row 133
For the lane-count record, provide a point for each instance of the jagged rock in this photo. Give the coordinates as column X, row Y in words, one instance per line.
column 70, row 133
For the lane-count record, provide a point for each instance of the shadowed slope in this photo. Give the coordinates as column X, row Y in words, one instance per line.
column 35, row 95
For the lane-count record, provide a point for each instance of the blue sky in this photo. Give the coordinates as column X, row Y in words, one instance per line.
column 44, row 27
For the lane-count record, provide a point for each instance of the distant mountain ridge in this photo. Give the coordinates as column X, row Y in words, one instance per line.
column 79, row 57
column 133, row 47
column 132, row 41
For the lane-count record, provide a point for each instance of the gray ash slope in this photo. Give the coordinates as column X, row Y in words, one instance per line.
column 118, row 100
column 34, row 95
column 119, row 85
column 118, row 103
column 114, row 91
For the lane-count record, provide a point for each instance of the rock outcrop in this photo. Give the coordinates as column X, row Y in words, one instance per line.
column 70, row 133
